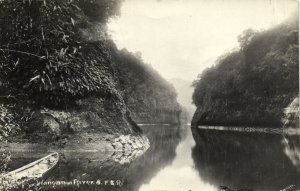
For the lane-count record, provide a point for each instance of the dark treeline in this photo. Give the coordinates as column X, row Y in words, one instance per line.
column 252, row 85
column 145, row 92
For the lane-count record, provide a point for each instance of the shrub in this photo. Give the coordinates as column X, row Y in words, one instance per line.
column 56, row 50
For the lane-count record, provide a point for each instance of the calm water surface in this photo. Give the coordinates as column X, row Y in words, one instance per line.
column 181, row 160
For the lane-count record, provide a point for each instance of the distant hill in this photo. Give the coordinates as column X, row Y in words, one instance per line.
column 184, row 92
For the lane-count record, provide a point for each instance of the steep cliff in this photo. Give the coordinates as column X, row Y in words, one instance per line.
column 56, row 61
column 150, row 98
column 291, row 114
column 253, row 85
column 61, row 74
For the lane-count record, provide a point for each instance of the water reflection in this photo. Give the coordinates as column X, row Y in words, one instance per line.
column 181, row 175
column 253, row 161
column 292, row 150
column 175, row 162
column 94, row 166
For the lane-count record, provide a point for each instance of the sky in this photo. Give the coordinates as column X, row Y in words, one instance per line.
column 180, row 38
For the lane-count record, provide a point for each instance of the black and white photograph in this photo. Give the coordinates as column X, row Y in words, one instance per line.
column 149, row 95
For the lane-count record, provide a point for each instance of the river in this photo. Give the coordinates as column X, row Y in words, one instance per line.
column 183, row 160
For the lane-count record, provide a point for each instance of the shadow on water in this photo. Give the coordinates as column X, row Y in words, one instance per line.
column 100, row 166
column 238, row 160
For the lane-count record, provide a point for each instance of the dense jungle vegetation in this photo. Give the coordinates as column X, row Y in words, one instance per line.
column 252, row 85
column 54, row 53
column 146, row 93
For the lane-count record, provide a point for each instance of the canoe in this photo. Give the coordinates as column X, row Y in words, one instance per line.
column 34, row 171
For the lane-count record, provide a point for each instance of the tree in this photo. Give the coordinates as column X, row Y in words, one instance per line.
column 254, row 83
column 46, row 50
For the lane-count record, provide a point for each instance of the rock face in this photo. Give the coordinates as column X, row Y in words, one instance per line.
column 236, row 113
column 291, row 114
column 95, row 124
column 128, row 145
column 131, row 147
column 90, row 115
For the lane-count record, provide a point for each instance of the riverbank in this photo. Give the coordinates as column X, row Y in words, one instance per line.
column 268, row 130
column 85, row 142
column 133, row 170
column 232, row 113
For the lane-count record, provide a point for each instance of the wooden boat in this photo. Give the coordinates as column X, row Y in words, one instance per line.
column 34, row 171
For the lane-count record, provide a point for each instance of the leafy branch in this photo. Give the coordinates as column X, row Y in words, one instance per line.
column 21, row 52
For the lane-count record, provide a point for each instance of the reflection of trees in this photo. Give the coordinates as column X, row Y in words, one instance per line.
column 241, row 160
column 162, row 152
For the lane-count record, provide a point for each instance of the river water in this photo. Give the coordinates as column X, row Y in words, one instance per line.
column 182, row 160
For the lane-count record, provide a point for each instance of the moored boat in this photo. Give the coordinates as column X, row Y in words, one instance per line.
column 37, row 170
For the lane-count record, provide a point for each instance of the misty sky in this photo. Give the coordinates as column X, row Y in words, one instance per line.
column 180, row 38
